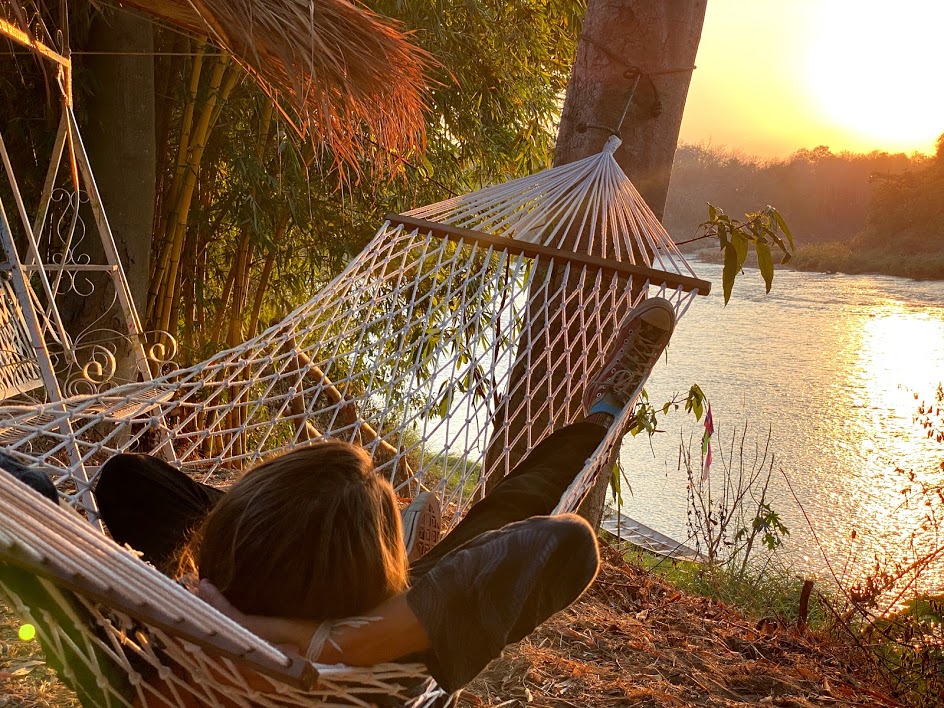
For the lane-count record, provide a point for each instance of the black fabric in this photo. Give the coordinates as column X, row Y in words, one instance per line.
column 497, row 588
column 533, row 488
column 151, row 506
column 507, row 566
column 34, row 478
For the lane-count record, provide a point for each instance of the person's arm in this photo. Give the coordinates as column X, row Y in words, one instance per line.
column 477, row 599
column 394, row 632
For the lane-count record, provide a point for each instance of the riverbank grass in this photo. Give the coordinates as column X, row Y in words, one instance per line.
column 844, row 257
column 764, row 590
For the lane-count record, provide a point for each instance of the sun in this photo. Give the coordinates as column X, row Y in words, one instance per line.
column 876, row 69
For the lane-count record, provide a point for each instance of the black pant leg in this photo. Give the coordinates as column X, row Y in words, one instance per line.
column 497, row 588
column 151, row 506
column 533, row 488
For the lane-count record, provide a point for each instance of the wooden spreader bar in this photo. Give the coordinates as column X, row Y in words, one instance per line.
column 456, row 233
column 11, row 31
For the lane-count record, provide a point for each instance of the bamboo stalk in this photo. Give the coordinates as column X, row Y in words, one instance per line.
column 240, row 287
column 265, row 127
column 263, row 285
column 172, row 197
column 219, row 91
column 304, row 429
column 164, row 104
column 253, row 324
column 199, row 279
column 186, row 121
column 224, row 298
column 176, row 225
column 190, row 271
column 243, row 271
column 193, row 237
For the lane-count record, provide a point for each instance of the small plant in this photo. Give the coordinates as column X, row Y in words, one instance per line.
column 647, row 420
column 737, row 531
column 647, row 415
column 729, row 514
column 901, row 623
column 930, row 416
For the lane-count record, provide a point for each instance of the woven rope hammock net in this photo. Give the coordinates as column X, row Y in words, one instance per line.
column 456, row 341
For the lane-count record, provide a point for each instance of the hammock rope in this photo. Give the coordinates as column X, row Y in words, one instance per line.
column 461, row 336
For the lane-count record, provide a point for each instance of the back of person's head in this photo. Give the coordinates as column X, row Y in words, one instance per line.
column 314, row 533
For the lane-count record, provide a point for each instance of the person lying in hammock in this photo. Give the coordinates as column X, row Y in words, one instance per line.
column 308, row 540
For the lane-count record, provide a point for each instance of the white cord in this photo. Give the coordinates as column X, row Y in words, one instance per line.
column 322, row 634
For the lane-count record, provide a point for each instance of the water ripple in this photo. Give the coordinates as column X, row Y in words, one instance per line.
column 832, row 364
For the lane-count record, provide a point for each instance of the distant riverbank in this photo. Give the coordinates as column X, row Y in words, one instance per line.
column 841, row 257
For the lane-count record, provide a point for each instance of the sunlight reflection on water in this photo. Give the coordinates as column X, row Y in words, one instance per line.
column 831, row 364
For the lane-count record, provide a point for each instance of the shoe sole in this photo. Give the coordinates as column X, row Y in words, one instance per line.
column 422, row 525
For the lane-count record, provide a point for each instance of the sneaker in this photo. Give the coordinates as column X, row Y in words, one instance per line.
column 639, row 345
column 422, row 525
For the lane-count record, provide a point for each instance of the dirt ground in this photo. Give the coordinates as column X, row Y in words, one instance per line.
column 632, row 640
column 25, row 679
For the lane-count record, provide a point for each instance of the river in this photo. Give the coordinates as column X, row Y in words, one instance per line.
column 831, row 365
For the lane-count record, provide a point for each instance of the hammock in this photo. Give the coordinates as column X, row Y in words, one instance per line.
column 19, row 371
column 458, row 339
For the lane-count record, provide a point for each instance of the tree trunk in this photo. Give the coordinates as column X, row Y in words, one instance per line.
column 120, row 137
column 622, row 40
column 660, row 39
column 644, row 49
column 117, row 105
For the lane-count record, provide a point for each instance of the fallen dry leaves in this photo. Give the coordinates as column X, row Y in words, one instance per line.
column 25, row 679
column 634, row 640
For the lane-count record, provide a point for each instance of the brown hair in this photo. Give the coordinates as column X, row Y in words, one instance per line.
column 314, row 533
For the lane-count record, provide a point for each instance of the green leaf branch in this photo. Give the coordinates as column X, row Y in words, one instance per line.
column 764, row 231
column 647, row 420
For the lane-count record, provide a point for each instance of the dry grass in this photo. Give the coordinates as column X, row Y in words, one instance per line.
column 25, row 679
column 633, row 640
column 350, row 77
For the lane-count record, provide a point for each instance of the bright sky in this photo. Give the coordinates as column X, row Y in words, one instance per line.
column 777, row 75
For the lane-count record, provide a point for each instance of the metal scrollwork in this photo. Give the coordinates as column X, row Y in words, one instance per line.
column 68, row 234
column 73, row 296
column 161, row 348
column 96, row 374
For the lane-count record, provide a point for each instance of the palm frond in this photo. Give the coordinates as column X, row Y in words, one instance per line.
column 344, row 76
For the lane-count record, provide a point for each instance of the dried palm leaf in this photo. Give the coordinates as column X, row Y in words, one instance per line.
column 341, row 74
column 349, row 79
